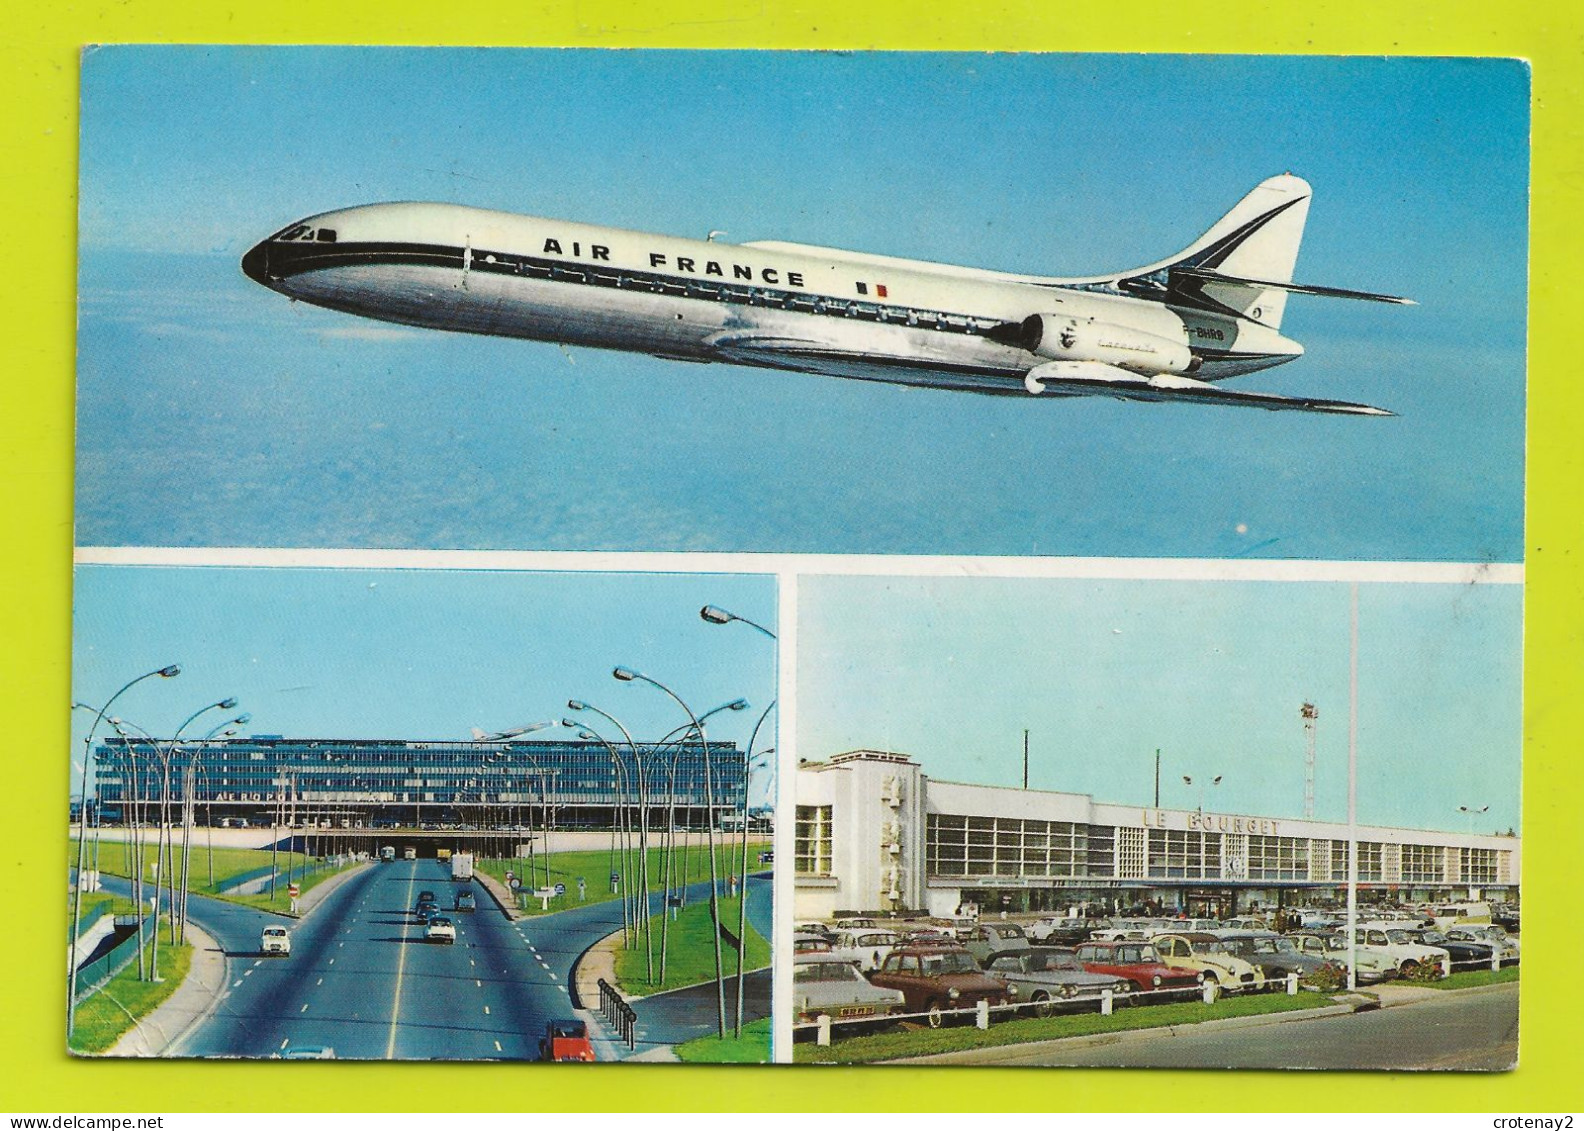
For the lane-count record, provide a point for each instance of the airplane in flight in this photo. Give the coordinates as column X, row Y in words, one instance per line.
column 1165, row 332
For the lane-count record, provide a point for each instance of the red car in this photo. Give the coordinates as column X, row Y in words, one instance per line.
column 566, row 1039
column 1140, row 963
column 935, row 979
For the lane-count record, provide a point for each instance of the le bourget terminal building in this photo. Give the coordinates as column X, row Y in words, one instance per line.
column 874, row 833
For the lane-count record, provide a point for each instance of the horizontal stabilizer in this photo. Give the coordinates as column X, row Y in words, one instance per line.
column 1291, row 288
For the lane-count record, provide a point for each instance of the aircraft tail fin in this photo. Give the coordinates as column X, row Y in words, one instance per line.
column 1239, row 265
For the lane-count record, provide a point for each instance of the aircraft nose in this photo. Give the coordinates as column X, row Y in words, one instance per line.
column 255, row 264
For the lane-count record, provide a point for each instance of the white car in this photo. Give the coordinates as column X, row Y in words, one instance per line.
column 1488, row 933
column 865, row 948
column 440, row 929
column 1406, row 954
column 275, row 940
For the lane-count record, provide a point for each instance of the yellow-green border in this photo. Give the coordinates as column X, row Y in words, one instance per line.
column 40, row 77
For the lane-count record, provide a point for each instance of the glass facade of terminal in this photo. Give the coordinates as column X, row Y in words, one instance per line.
column 579, row 783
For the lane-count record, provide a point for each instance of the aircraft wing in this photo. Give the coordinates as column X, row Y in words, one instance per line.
column 1054, row 379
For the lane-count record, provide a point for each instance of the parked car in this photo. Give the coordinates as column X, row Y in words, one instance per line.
column 934, row 979
column 1489, row 933
column 810, row 944
column 865, row 948
column 440, row 929
column 1047, row 977
column 275, row 940
column 987, row 940
column 1408, row 953
column 833, row 987
column 1058, row 931
column 566, row 1039
column 1274, row 956
column 1199, row 951
column 1372, row 965
column 1140, row 963
column 1462, row 950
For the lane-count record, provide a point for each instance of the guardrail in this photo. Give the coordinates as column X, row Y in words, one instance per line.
column 94, row 974
column 621, row 1016
column 982, row 1011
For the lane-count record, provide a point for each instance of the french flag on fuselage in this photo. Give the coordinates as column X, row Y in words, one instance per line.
column 879, row 289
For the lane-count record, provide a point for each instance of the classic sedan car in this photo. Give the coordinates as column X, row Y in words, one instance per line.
column 275, row 940
column 1198, row 951
column 1047, row 977
column 811, row 944
column 1140, row 964
column 1273, row 956
column 568, row 1040
column 833, row 987
column 865, row 948
column 1409, row 954
column 987, row 940
column 1489, row 933
column 1373, row 965
column 440, row 929
column 935, row 979
column 1463, row 951
column 1057, row 931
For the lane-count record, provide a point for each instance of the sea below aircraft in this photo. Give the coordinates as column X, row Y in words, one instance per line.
column 1165, row 332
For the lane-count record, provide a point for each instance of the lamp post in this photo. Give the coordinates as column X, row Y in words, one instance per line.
column 620, row 827
column 628, row 675
column 511, row 735
column 135, row 870
column 167, row 672
column 189, row 812
column 1188, row 781
column 714, row 614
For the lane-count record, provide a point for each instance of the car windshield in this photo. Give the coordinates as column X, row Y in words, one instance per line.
column 1009, row 931
column 825, row 972
column 1400, row 937
column 1053, row 961
column 953, row 962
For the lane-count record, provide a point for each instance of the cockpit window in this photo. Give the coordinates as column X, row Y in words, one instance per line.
column 325, row 235
column 305, row 234
column 292, row 232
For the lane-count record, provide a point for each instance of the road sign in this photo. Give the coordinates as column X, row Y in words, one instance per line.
column 293, row 890
column 560, row 889
column 512, row 881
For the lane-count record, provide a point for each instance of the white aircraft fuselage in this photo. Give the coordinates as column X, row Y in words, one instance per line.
column 788, row 306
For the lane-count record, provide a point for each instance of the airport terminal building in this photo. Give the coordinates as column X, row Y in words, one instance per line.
column 874, row 833
column 355, row 783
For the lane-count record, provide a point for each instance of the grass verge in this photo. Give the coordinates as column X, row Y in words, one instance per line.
column 1464, row 979
column 753, row 1047
column 923, row 1042
column 690, row 952
column 116, row 858
column 595, row 869
column 102, row 1016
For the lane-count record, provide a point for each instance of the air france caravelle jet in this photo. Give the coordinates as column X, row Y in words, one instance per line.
column 1165, row 332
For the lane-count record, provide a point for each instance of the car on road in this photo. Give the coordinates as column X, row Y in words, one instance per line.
column 833, row 987
column 566, row 1039
column 426, row 910
column 275, row 940
column 409, row 853
column 935, row 979
column 307, row 1052
column 440, row 929
column 425, row 896
column 1140, row 963
column 465, row 901
column 1048, row 977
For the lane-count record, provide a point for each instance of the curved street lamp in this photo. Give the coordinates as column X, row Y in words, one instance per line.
column 628, row 675
column 742, row 895
column 169, row 671
column 620, row 829
column 190, row 812
column 717, row 615
column 508, row 737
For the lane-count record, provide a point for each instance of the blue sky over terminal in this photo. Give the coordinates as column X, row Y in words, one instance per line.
column 416, row 654
column 1102, row 673
column 213, row 412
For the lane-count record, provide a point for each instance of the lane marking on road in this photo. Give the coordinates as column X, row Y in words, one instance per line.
column 332, row 962
column 552, row 975
column 478, row 983
column 563, row 989
column 401, row 969
column 247, row 973
column 283, row 1041
column 472, row 963
column 486, row 1009
column 320, row 982
column 497, row 1046
column 236, row 983
column 339, row 945
column 258, row 962
column 304, row 1009
column 545, row 964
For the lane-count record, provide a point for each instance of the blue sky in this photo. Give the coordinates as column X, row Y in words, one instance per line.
column 213, row 412
column 1213, row 674
column 416, row 654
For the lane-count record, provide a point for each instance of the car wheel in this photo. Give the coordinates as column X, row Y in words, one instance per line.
column 1041, row 1003
column 933, row 1015
column 1408, row 969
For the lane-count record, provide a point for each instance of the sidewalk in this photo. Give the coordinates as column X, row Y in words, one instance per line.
column 193, row 1000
